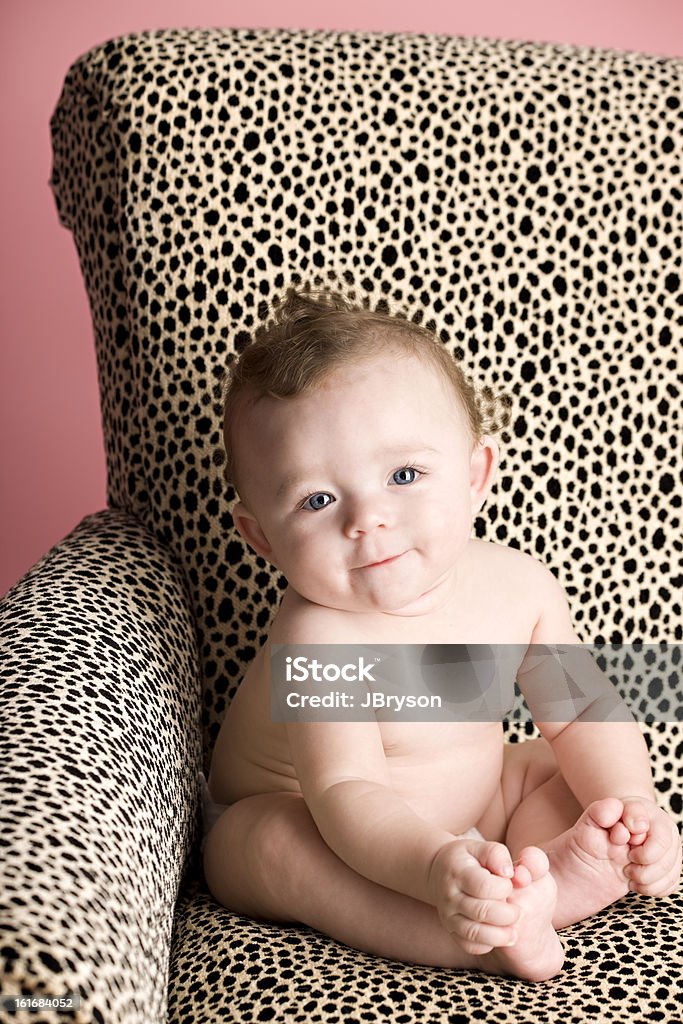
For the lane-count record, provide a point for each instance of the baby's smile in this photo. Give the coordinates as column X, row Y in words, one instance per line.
column 390, row 560
column 386, row 479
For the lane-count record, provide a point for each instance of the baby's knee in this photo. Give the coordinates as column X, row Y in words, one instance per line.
column 265, row 824
column 247, row 850
column 277, row 823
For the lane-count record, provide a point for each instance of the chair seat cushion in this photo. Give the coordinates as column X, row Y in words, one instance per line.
column 622, row 965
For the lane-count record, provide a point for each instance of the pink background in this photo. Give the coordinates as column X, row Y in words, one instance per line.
column 52, row 461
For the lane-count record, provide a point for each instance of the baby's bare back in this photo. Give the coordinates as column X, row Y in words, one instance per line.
column 447, row 772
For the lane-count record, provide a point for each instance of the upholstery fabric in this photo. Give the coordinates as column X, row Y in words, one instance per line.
column 525, row 201
column 99, row 722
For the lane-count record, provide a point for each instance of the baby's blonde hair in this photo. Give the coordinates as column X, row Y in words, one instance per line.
column 312, row 332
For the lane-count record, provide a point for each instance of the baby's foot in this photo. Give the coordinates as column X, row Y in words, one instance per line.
column 537, row 953
column 588, row 860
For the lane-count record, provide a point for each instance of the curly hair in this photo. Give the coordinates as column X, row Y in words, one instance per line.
column 312, row 332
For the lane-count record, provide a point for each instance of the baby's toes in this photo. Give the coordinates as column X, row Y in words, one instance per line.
column 606, row 812
column 620, row 835
column 532, row 864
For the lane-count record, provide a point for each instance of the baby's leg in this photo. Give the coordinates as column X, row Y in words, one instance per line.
column 588, row 850
column 265, row 858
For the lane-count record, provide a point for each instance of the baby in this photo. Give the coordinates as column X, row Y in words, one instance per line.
column 361, row 455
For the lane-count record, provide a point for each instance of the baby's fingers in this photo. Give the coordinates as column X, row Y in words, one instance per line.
column 481, row 883
column 650, row 852
column 495, row 857
column 496, row 912
column 660, row 878
column 649, row 880
column 662, row 845
column 476, row 938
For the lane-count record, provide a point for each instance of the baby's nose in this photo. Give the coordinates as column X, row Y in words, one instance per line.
column 364, row 516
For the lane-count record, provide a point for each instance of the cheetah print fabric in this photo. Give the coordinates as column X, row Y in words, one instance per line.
column 100, row 718
column 522, row 199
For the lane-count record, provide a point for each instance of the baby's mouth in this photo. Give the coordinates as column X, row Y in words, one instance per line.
column 384, row 561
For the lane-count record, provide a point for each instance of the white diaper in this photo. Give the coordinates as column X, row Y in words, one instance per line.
column 472, row 833
column 211, row 811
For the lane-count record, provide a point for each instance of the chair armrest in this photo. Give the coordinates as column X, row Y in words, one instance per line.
column 100, row 741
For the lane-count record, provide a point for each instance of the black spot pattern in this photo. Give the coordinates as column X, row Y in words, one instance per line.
column 525, row 201
column 100, row 726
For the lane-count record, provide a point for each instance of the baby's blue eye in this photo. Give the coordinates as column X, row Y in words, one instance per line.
column 407, row 475
column 316, row 501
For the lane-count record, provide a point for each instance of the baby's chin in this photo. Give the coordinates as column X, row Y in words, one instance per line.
column 389, row 601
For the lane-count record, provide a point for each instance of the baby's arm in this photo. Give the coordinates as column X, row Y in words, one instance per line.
column 597, row 758
column 608, row 758
column 344, row 779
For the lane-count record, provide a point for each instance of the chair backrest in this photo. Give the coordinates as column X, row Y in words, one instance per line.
column 524, row 199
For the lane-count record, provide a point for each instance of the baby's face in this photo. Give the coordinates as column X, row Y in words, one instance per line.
column 362, row 492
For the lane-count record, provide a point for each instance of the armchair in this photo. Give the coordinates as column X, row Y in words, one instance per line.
column 525, row 199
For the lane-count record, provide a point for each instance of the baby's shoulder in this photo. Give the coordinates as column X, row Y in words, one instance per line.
column 487, row 557
column 523, row 582
column 300, row 621
column 511, row 573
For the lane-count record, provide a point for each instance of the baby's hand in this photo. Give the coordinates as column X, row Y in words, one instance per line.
column 654, row 867
column 469, row 883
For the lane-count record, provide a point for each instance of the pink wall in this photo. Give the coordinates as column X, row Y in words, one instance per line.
column 52, row 467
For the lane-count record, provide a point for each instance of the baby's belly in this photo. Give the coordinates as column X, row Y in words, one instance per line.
column 449, row 774
column 453, row 783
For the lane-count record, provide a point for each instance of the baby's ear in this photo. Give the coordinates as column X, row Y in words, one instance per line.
column 249, row 529
column 483, row 467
